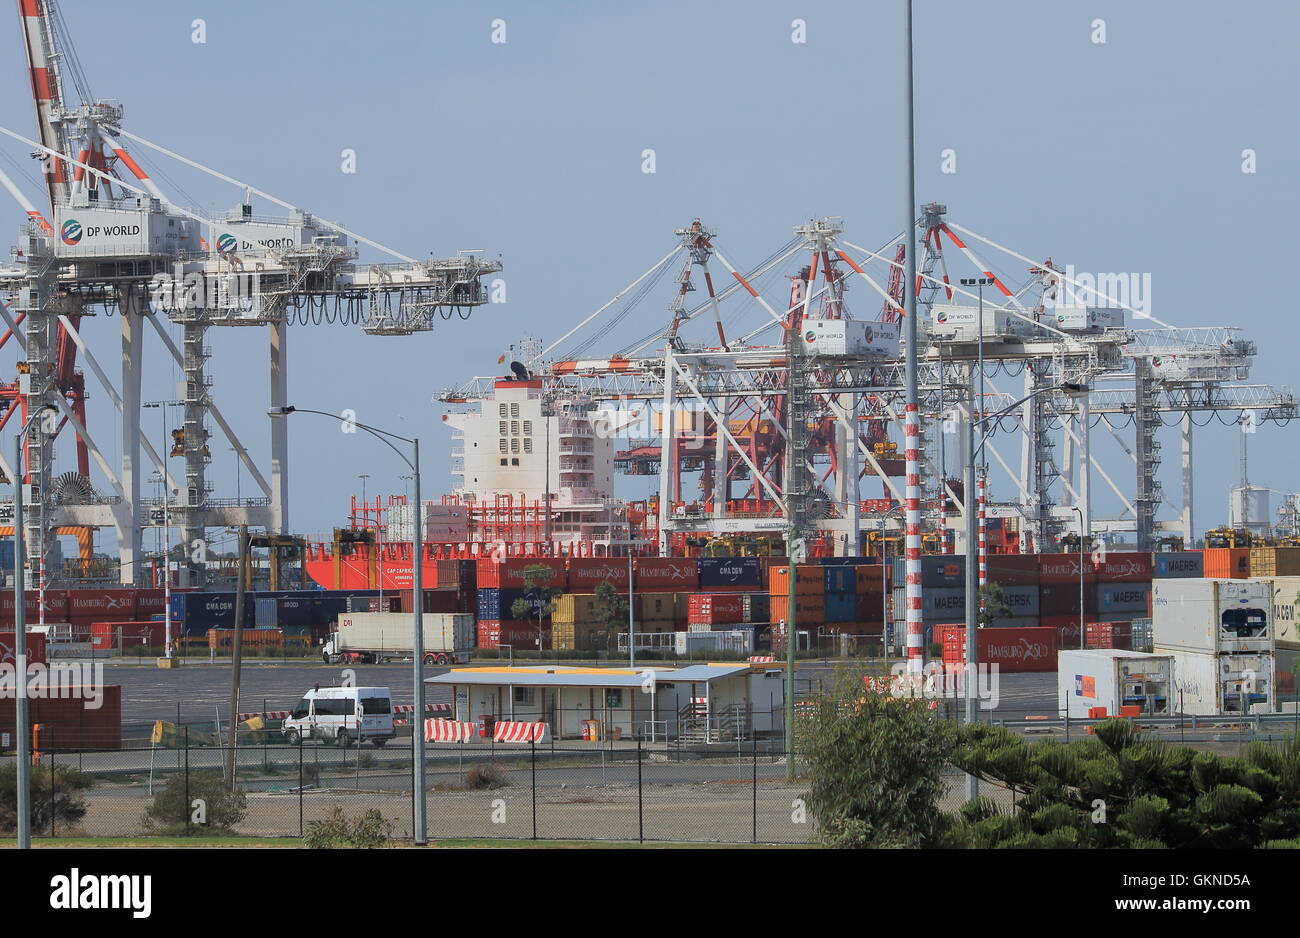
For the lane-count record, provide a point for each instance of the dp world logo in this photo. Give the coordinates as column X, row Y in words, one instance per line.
column 71, row 231
column 809, row 336
column 1155, row 361
column 942, row 317
column 870, row 335
column 226, row 244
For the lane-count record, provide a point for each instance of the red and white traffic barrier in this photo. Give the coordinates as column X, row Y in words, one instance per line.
column 762, row 659
column 428, row 708
column 448, row 731
column 266, row 715
column 516, row 732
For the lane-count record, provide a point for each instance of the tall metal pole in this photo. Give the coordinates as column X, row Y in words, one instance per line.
column 417, row 603
column 631, row 605
column 972, row 643
column 912, row 443
column 237, row 654
column 167, row 541
column 20, row 656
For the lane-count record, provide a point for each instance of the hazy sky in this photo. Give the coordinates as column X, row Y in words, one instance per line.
column 1122, row 156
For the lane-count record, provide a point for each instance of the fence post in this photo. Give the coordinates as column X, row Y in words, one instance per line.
column 754, row 781
column 51, row 794
column 300, row 786
column 640, row 796
column 186, row 809
column 533, row 746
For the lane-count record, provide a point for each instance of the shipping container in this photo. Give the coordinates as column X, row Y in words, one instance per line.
column 949, row 603
column 106, row 636
column 667, row 573
column 102, row 603
column 656, row 608
column 733, row 572
column 82, row 718
column 1120, row 566
column 939, row 570
column 839, row 579
column 1013, row 650
column 732, row 641
column 222, row 641
column 871, row 578
column 1227, row 563
column 841, row 607
column 585, row 573
column 1207, row 684
column 715, row 609
column 756, row 607
column 448, row 637
column 35, row 648
column 1122, row 597
column 509, row 573
column 1108, row 635
column 1012, row 569
column 1112, row 679
column 869, row 606
column 500, row 603
column 809, row 580
column 1286, row 603
column 1274, row 561
column 1062, row 568
column 1178, row 565
column 1213, row 615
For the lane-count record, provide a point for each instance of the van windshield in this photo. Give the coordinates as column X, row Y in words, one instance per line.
column 375, row 705
column 301, row 709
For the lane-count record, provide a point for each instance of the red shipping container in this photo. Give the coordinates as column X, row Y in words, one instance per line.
column 1122, row 567
column 871, row 577
column 586, row 573
column 82, row 718
column 1062, row 599
column 489, row 633
column 1109, row 635
column 1012, row 569
column 147, row 633
column 150, row 602
column 674, row 573
column 1066, row 628
column 56, row 605
column 509, row 574
column 35, row 648
column 715, row 609
column 102, row 604
column 870, row 606
column 1013, row 650
column 1062, row 568
column 435, row 600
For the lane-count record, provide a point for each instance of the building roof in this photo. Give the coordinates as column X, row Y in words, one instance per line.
column 535, row 676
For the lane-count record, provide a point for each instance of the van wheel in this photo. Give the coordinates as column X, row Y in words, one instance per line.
column 379, row 741
column 342, row 739
column 291, row 737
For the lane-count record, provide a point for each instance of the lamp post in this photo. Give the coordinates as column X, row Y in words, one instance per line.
column 417, row 601
column 973, row 451
column 1079, row 510
column 23, row 777
column 167, row 539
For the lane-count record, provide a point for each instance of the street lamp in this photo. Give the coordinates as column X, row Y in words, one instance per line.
column 1081, row 603
column 973, row 451
column 167, row 534
column 417, row 599
column 23, row 778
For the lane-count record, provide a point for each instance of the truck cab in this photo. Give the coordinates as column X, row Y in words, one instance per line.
column 342, row 715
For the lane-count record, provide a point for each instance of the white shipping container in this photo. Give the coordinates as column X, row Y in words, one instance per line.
column 1213, row 616
column 962, row 323
column 391, row 634
column 1286, row 633
column 1210, row 684
column 1113, row 678
column 1087, row 318
column 738, row 641
column 850, row 337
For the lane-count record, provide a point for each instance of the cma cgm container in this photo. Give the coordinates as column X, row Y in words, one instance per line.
column 1286, row 628
column 1208, row 684
column 1182, row 564
column 1213, row 616
column 1011, row 649
column 1113, row 679
column 738, row 573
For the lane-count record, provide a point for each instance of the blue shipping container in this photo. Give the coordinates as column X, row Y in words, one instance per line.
column 841, row 607
column 840, row 579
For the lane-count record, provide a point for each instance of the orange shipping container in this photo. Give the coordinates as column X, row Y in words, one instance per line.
column 1227, row 563
column 809, row 580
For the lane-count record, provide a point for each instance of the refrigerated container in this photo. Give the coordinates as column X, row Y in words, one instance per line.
column 1206, row 684
column 378, row 636
column 1113, row 678
column 1214, row 616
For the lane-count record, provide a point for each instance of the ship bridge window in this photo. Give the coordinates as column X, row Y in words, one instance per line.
column 528, row 428
column 514, row 428
column 514, row 410
column 514, row 446
column 503, row 427
column 501, row 411
column 502, row 443
column 528, row 446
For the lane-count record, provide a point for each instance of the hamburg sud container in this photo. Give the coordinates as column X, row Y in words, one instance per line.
column 667, row 573
column 1011, row 649
column 731, row 573
column 1120, row 567
column 1177, row 565
column 587, row 573
column 509, row 573
column 715, row 609
column 1213, row 616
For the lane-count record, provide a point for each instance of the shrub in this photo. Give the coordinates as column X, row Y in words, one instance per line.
column 367, row 832
column 486, row 778
column 221, row 808
column 54, row 796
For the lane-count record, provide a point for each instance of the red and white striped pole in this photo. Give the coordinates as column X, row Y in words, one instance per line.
column 912, row 428
column 983, row 541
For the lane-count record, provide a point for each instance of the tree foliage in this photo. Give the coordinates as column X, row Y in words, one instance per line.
column 1119, row 789
column 55, row 795
column 204, row 805
column 876, row 766
column 539, row 596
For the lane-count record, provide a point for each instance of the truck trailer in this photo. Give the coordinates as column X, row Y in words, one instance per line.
column 376, row 637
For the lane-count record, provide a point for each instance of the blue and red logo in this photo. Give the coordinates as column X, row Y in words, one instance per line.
column 226, row 244
column 71, row 231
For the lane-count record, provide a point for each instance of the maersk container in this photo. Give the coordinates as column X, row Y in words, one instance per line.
column 1113, row 678
column 949, row 604
column 1122, row 597
column 1207, row 684
column 1183, row 564
column 1212, row 616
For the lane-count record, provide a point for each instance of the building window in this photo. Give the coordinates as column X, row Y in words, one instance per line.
column 528, row 428
column 528, row 445
column 501, row 411
column 514, row 410
column 502, row 444
column 514, row 428
column 503, row 427
column 503, row 462
column 525, row 695
column 515, row 461
column 613, row 698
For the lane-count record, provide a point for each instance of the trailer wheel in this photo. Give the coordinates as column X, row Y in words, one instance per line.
column 379, row 741
column 430, row 659
column 342, row 739
column 442, row 659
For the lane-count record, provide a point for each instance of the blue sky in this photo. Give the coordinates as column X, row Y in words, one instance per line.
column 1122, row 156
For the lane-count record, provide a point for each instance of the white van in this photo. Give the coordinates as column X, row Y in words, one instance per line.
column 343, row 715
